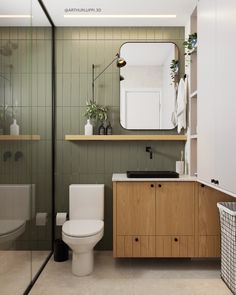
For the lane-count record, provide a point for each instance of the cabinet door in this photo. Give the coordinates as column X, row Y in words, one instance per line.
column 135, row 208
column 209, row 220
column 225, row 145
column 174, row 208
column 207, row 94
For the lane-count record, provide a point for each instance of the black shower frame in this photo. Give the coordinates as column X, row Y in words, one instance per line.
column 53, row 147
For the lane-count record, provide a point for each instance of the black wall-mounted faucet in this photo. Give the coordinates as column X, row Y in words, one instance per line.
column 7, row 155
column 18, row 155
column 149, row 150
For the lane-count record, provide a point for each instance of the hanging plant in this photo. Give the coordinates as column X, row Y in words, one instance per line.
column 174, row 69
column 190, row 44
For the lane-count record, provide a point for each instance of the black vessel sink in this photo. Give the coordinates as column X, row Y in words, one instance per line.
column 152, row 174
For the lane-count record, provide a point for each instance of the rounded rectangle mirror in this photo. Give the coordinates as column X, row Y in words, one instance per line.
column 147, row 85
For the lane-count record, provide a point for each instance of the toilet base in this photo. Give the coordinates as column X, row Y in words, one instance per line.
column 82, row 263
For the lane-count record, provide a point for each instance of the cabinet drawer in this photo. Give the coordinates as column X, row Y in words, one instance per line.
column 209, row 246
column 135, row 246
column 174, row 246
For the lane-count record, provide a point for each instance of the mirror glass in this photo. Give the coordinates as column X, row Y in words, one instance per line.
column 147, row 90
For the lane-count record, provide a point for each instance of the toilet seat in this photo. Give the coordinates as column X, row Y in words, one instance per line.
column 8, row 226
column 82, row 228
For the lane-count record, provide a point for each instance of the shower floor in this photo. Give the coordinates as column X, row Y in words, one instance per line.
column 17, row 268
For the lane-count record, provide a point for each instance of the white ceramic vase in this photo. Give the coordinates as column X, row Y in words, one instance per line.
column 88, row 128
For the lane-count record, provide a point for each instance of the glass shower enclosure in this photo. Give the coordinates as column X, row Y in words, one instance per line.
column 25, row 144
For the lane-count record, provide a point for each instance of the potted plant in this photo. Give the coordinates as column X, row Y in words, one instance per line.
column 191, row 43
column 96, row 113
column 4, row 113
column 174, row 68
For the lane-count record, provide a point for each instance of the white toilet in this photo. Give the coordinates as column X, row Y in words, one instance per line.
column 85, row 227
column 16, row 208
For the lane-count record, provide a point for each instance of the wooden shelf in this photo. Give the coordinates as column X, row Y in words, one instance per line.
column 126, row 137
column 19, row 137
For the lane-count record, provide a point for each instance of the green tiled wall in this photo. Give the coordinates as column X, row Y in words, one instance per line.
column 94, row 162
column 29, row 93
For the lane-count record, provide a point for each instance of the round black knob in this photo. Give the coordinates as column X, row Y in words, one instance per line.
column 176, row 240
column 202, row 185
column 136, row 239
column 212, row 180
column 152, row 185
column 216, row 181
column 159, row 185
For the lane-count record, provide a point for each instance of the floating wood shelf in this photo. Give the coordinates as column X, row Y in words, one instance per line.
column 19, row 137
column 126, row 137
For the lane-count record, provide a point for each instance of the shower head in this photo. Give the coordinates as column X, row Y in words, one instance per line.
column 6, row 49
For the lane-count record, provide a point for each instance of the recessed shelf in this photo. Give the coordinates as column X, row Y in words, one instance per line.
column 126, row 137
column 194, row 94
column 19, row 137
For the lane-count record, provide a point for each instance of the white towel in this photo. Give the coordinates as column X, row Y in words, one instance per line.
column 181, row 105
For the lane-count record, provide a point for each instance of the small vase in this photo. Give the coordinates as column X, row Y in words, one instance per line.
column 14, row 128
column 109, row 129
column 101, row 130
column 88, row 128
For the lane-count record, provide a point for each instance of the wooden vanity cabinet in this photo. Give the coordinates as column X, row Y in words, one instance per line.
column 166, row 219
column 208, row 220
column 153, row 219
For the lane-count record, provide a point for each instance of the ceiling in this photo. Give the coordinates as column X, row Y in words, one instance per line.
column 182, row 8
column 98, row 13
column 30, row 8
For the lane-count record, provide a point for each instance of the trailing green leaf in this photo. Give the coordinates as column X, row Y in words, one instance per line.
column 174, row 68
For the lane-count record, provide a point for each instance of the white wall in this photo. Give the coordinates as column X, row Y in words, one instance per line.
column 142, row 77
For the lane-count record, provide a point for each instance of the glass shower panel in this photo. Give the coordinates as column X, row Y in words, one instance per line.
column 25, row 159
column 16, row 191
column 41, row 110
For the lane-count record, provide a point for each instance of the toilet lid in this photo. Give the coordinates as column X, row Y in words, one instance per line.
column 82, row 228
column 7, row 226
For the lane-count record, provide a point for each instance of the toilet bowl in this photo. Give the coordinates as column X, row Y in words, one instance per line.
column 81, row 236
column 10, row 230
column 86, row 226
column 17, row 207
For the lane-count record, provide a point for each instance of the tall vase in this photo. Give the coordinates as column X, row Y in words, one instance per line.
column 88, row 128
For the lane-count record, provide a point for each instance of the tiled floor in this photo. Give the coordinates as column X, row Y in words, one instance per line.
column 133, row 276
column 17, row 268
